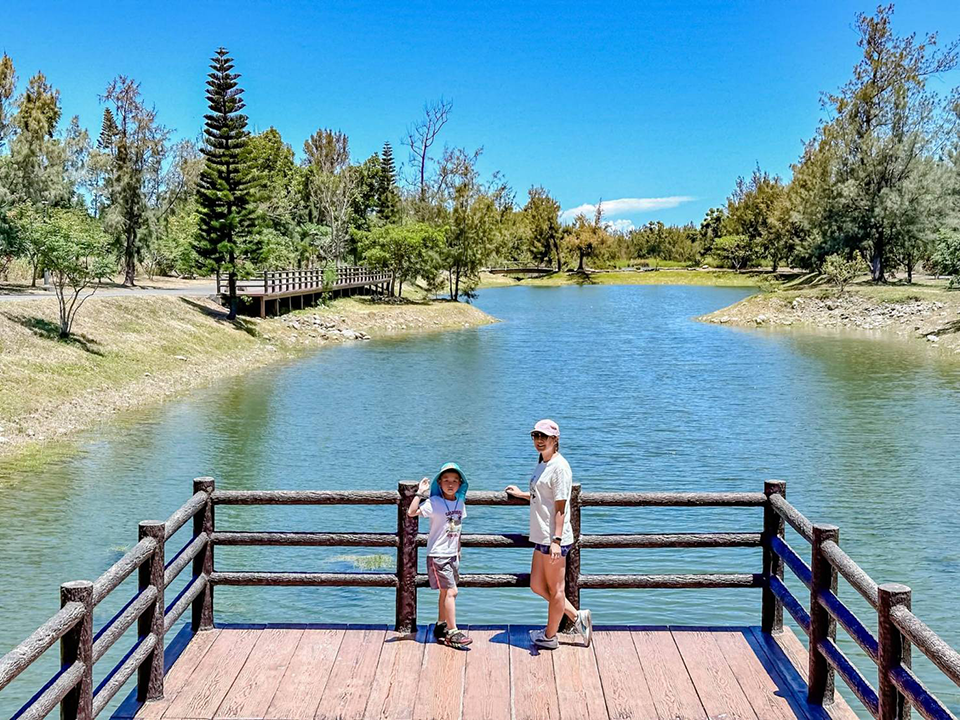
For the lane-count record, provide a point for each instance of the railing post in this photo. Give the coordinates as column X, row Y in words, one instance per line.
column 150, row 672
column 77, row 646
column 572, row 579
column 202, row 608
column 407, row 530
column 771, row 618
column 820, row 676
column 894, row 650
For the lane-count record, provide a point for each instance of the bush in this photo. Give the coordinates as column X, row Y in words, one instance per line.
column 841, row 271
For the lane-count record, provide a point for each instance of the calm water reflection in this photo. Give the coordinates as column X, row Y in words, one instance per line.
column 864, row 431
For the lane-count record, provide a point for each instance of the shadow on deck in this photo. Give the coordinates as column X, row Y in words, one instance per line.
column 337, row 671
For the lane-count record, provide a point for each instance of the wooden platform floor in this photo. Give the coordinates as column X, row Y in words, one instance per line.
column 369, row 672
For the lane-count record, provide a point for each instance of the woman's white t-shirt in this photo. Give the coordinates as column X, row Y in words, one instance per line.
column 551, row 481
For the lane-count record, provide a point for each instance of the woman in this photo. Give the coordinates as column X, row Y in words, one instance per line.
column 551, row 535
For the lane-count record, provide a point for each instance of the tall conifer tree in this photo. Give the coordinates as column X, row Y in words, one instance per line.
column 388, row 196
column 225, row 191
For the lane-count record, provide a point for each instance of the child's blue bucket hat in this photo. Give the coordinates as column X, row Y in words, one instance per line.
column 435, row 485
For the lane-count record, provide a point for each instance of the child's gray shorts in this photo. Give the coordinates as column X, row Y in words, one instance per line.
column 444, row 572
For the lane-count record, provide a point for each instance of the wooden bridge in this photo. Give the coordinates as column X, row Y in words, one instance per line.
column 302, row 288
column 311, row 671
column 521, row 269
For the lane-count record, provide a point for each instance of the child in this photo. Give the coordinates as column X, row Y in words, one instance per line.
column 443, row 503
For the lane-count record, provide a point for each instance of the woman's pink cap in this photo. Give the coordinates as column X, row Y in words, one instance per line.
column 547, row 427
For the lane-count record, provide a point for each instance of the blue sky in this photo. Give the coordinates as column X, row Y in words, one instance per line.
column 645, row 101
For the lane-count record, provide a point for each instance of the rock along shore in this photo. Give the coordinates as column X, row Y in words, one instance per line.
column 930, row 317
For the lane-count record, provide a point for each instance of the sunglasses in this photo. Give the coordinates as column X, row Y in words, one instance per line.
column 538, row 435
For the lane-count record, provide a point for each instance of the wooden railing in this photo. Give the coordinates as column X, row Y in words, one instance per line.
column 898, row 688
column 80, row 648
column 72, row 687
column 279, row 282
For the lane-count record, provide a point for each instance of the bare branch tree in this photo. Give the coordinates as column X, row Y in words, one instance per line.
column 423, row 134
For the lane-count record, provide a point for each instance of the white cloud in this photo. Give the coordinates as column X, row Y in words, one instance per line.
column 624, row 206
column 621, row 225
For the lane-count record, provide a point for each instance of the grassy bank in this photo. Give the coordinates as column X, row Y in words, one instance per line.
column 927, row 312
column 665, row 276
column 131, row 352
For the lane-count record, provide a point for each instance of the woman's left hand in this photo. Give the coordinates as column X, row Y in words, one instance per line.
column 555, row 551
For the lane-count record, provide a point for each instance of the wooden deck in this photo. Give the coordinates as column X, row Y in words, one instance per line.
column 370, row 672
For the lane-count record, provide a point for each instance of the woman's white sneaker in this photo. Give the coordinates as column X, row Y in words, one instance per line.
column 584, row 626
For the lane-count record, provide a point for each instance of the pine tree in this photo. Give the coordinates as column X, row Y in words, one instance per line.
column 225, row 191
column 108, row 131
column 388, row 197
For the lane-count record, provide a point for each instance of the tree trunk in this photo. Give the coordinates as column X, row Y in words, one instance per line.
column 876, row 267
column 35, row 270
column 456, row 290
column 909, row 268
column 557, row 248
column 232, row 283
column 130, row 263
column 450, row 281
column 580, row 266
column 393, row 280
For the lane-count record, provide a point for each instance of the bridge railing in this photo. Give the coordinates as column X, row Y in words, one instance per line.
column 898, row 688
column 72, row 626
column 279, row 282
column 81, row 648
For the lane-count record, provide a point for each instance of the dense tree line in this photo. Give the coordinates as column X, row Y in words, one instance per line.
column 878, row 181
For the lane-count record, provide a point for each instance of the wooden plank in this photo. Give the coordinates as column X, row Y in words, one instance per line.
column 440, row 696
column 625, row 688
column 486, row 691
column 675, row 697
column 786, row 676
column 797, row 656
column 180, row 673
column 260, row 677
column 716, row 684
column 579, row 691
column 305, row 678
column 351, row 679
column 767, row 699
column 394, row 691
column 533, row 683
column 214, row 675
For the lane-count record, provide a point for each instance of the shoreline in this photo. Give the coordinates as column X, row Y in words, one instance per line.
column 924, row 316
column 664, row 276
column 131, row 353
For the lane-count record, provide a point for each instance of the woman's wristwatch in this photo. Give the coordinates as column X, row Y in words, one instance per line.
column 557, row 539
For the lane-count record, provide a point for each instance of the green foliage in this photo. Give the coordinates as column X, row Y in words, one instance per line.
column 137, row 148
column 946, row 256
column 226, row 240
column 675, row 244
column 73, row 248
column 841, row 271
column 737, row 251
column 751, row 212
column 8, row 83
column 541, row 221
column 866, row 182
column 408, row 252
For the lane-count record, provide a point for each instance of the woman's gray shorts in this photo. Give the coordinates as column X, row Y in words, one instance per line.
column 444, row 572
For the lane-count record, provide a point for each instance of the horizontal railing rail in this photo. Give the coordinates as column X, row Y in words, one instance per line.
column 898, row 688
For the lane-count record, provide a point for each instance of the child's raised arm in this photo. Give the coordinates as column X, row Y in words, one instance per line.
column 423, row 492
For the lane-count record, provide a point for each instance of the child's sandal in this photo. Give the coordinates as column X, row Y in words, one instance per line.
column 457, row 639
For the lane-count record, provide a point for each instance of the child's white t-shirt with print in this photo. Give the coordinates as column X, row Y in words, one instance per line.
column 551, row 481
column 445, row 521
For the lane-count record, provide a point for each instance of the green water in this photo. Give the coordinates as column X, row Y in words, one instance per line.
column 864, row 431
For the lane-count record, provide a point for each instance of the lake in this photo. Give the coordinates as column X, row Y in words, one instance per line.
column 865, row 432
